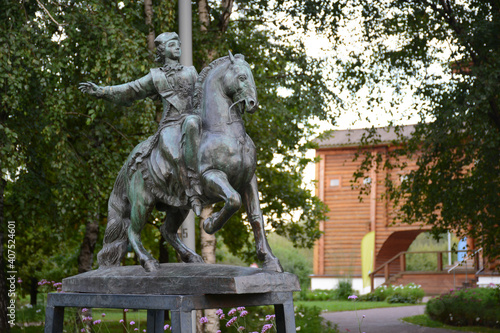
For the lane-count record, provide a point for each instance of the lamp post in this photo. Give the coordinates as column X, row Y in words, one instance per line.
column 186, row 36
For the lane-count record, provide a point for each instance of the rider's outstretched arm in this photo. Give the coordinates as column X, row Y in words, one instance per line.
column 123, row 94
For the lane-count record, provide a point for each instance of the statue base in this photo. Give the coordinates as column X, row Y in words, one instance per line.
column 180, row 288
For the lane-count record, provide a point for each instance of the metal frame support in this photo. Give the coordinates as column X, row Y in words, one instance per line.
column 180, row 306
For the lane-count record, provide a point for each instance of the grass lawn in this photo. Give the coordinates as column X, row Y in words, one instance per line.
column 424, row 320
column 336, row 306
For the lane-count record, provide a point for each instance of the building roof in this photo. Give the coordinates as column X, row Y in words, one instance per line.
column 353, row 137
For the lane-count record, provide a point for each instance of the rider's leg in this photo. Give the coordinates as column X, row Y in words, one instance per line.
column 216, row 184
column 174, row 219
column 191, row 136
column 142, row 203
column 252, row 205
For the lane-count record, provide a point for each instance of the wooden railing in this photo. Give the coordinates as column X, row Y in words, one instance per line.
column 401, row 256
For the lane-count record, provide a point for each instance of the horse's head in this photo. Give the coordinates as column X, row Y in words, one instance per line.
column 239, row 84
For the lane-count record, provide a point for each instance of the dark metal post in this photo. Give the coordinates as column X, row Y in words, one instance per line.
column 54, row 319
column 285, row 316
column 156, row 319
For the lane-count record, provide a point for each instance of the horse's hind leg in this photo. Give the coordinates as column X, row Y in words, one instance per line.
column 175, row 218
column 217, row 185
column 252, row 204
column 142, row 203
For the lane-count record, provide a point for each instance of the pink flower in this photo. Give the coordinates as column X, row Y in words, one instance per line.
column 85, row 310
column 243, row 313
column 136, row 329
column 270, row 317
column 125, row 310
column 219, row 331
column 241, row 328
column 166, row 327
column 222, row 316
column 231, row 321
column 121, row 321
column 241, row 308
column 266, row 327
column 352, row 297
column 98, row 321
column 144, row 331
column 219, row 312
column 132, row 322
column 231, row 312
column 82, row 330
column 103, row 314
column 203, row 320
column 19, row 280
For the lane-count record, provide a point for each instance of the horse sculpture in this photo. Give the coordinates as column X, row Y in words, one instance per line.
column 227, row 162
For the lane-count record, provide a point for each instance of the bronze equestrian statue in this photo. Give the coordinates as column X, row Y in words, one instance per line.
column 199, row 155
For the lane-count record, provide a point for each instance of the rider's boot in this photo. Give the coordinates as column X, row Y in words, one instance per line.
column 191, row 133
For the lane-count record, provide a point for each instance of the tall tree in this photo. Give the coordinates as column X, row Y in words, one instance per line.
column 457, row 141
column 61, row 151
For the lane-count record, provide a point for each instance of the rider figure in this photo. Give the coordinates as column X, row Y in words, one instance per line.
column 174, row 83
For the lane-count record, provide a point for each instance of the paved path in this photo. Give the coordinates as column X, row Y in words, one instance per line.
column 385, row 320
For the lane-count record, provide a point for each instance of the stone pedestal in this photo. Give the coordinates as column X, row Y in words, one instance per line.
column 180, row 288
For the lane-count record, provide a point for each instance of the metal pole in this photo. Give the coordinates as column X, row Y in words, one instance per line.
column 186, row 32
column 186, row 37
column 449, row 248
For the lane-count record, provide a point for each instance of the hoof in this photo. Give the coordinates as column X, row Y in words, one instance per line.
column 273, row 265
column 209, row 224
column 151, row 265
column 196, row 260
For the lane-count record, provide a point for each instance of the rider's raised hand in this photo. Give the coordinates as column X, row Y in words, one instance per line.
column 90, row 88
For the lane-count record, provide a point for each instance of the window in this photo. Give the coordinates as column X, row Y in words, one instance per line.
column 334, row 182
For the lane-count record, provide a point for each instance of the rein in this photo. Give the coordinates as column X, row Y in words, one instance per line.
column 229, row 111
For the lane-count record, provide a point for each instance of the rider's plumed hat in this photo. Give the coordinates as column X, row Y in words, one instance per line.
column 165, row 37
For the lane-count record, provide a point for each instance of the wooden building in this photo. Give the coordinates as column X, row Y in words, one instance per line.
column 359, row 236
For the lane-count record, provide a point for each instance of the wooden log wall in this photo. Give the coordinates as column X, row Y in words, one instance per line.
column 338, row 252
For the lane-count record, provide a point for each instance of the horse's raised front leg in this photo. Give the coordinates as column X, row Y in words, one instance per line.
column 175, row 218
column 252, row 204
column 216, row 185
column 142, row 203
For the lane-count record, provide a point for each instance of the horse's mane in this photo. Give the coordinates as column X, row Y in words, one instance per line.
column 198, row 88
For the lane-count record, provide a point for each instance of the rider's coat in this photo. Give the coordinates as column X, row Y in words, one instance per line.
column 174, row 84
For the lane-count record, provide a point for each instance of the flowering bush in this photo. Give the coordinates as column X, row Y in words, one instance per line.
column 467, row 307
column 256, row 319
column 411, row 293
column 343, row 290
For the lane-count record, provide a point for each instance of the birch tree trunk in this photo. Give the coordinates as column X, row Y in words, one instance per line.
column 208, row 245
column 148, row 13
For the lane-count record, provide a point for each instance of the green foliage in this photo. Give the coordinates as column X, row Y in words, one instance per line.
column 457, row 141
column 342, row 292
column 428, row 261
column 309, row 320
column 294, row 260
column 467, row 307
column 60, row 150
column 410, row 293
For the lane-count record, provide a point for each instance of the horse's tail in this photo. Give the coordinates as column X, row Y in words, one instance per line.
column 116, row 238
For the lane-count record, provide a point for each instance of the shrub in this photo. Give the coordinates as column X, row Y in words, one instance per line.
column 343, row 290
column 410, row 293
column 467, row 307
column 308, row 318
column 316, row 295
